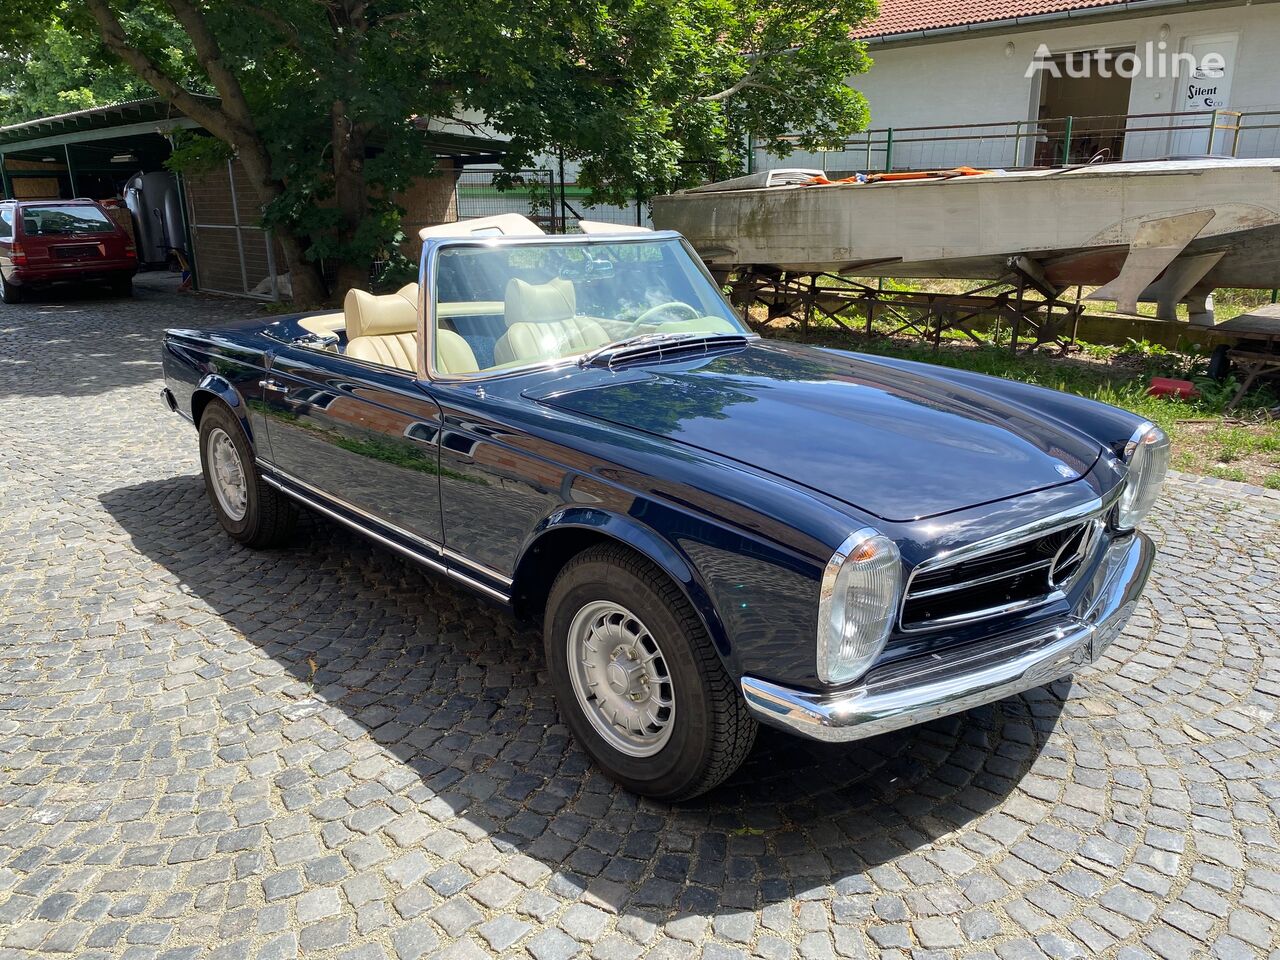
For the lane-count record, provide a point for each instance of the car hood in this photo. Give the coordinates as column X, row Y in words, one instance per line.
column 901, row 445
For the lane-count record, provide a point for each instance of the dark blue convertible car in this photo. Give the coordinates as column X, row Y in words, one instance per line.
column 715, row 530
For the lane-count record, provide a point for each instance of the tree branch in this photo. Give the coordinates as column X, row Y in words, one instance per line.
column 207, row 115
column 738, row 87
column 292, row 37
column 209, row 55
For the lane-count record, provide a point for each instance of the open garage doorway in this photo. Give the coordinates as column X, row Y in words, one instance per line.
column 1082, row 107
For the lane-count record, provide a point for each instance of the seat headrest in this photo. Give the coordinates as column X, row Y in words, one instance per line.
column 548, row 302
column 410, row 292
column 370, row 316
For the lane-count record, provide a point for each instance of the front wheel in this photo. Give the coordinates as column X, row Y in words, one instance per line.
column 249, row 509
column 638, row 680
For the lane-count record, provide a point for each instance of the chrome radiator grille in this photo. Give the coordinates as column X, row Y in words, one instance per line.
column 1010, row 577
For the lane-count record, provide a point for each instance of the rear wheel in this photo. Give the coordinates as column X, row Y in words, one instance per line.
column 638, row 680
column 249, row 509
column 8, row 292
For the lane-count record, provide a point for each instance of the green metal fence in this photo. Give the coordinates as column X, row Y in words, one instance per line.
column 1054, row 141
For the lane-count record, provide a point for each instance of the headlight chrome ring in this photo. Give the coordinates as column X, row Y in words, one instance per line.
column 861, row 590
column 1146, row 456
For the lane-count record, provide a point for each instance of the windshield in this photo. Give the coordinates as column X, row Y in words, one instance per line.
column 522, row 304
column 64, row 218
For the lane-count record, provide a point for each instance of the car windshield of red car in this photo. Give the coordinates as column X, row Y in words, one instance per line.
column 63, row 219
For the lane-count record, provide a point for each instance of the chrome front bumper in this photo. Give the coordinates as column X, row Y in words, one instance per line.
column 921, row 689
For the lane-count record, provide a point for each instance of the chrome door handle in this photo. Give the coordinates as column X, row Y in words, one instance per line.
column 273, row 386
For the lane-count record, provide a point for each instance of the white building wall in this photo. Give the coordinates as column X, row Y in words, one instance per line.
column 977, row 79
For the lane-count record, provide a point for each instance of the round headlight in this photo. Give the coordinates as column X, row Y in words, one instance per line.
column 860, row 591
column 1147, row 457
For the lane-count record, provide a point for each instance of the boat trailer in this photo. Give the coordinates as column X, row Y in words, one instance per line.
column 766, row 295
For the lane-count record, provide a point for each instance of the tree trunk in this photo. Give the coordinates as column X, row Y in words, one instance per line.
column 304, row 274
column 230, row 120
column 350, row 194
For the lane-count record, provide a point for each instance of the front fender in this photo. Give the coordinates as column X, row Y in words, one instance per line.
column 644, row 540
column 215, row 385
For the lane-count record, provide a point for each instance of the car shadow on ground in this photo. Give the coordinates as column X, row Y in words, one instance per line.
column 452, row 687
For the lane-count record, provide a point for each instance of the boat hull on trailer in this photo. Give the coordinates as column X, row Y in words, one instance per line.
column 1158, row 230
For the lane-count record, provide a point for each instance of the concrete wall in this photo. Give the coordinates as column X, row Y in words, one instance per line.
column 977, row 79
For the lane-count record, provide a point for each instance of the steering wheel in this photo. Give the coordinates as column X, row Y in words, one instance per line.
column 675, row 306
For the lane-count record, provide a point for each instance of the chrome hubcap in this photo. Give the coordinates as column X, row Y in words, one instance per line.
column 620, row 678
column 227, row 473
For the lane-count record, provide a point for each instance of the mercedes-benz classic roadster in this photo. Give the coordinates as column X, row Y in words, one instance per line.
column 715, row 530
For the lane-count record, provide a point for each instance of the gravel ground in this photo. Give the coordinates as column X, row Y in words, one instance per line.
column 207, row 752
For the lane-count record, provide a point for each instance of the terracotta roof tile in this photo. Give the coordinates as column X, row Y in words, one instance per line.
column 908, row 16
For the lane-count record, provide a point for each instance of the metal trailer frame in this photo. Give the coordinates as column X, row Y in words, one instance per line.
column 1031, row 323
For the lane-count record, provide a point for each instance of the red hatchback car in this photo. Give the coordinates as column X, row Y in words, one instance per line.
column 50, row 241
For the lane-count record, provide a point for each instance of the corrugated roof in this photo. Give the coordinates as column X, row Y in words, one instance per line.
column 150, row 110
column 913, row 16
column 154, row 109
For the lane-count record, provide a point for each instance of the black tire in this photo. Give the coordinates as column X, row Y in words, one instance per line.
column 711, row 729
column 8, row 292
column 269, row 516
column 122, row 286
column 1219, row 363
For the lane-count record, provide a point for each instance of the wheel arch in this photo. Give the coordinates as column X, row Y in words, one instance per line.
column 565, row 534
column 215, row 387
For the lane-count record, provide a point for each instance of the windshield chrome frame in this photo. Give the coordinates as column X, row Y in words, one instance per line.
column 428, row 272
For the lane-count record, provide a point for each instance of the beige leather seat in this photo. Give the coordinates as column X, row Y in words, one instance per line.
column 542, row 323
column 385, row 330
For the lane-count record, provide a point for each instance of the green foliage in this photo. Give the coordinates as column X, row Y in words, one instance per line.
column 645, row 95
column 50, row 64
column 195, row 153
column 1187, row 362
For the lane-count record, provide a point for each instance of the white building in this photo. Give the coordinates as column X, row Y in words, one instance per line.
column 957, row 83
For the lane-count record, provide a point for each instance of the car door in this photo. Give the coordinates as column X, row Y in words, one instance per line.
column 362, row 435
column 496, row 482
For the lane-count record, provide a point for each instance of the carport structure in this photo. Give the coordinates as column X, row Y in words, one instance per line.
column 93, row 153
column 89, row 152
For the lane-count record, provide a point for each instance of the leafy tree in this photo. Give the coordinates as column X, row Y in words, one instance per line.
column 324, row 101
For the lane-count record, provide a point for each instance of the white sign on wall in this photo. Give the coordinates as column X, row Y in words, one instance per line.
column 1208, row 85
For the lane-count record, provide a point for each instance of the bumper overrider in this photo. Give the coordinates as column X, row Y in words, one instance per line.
column 903, row 694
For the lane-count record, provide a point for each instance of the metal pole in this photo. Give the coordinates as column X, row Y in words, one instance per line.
column 4, row 178
column 71, row 174
column 235, row 215
column 1213, row 127
column 564, row 214
column 1066, row 143
column 888, row 149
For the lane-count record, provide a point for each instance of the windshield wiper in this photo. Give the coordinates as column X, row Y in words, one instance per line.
column 607, row 351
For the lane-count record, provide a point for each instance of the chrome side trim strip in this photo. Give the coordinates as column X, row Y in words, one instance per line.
column 431, row 545
column 478, row 567
column 412, row 554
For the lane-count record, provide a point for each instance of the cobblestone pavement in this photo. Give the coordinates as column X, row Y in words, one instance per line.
column 210, row 752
